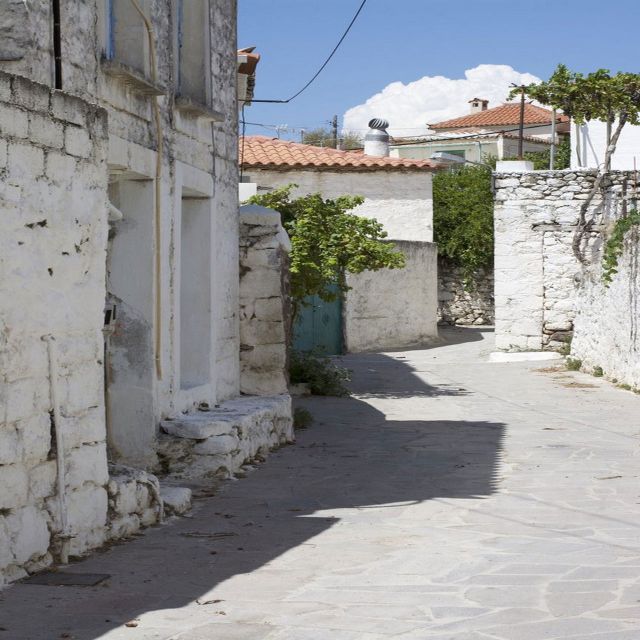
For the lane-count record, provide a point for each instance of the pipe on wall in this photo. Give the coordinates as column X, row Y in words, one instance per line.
column 64, row 535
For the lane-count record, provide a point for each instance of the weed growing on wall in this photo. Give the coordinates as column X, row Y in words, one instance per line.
column 574, row 364
column 614, row 246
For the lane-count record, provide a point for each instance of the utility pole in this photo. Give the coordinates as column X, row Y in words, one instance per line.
column 334, row 131
column 552, row 155
column 521, row 132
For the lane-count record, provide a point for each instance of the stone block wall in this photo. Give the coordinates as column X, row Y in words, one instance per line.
column 53, row 234
column 538, row 281
column 607, row 319
column 460, row 304
column 394, row 308
column 264, row 313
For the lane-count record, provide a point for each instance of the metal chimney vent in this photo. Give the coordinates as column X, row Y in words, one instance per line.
column 376, row 142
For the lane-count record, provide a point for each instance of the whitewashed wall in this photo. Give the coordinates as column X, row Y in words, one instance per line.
column 53, row 236
column 198, row 156
column 401, row 201
column 394, row 308
column 607, row 319
column 543, row 295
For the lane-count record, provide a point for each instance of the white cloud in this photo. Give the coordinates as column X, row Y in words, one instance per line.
column 410, row 107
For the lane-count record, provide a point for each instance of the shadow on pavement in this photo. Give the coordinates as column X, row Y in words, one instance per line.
column 353, row 456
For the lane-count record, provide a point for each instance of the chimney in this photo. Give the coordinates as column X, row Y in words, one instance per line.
column 478, row 104
column 376, row 142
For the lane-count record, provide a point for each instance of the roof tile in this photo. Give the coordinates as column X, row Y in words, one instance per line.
column 262, row 152
column 505, row 114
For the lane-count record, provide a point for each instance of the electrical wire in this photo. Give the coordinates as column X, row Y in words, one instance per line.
column 324, row 64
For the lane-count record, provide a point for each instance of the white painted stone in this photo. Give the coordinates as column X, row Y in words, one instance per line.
column 13, row 122
column 29, row 534
column 198, row 426
column 217, row 445
column 87, row 509
column 87, row 464
column 506, row 166
column 14, row 481
column 177, row 500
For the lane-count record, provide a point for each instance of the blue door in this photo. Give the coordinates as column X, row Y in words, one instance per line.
column 319, row 327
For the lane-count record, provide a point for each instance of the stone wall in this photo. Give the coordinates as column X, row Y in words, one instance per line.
column 461, row 304
column 53, row 187
column 264, row 317
column 538, row 278
column 393, row 308
column 607, row 318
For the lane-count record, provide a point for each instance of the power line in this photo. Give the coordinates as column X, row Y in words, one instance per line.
column 325, row 63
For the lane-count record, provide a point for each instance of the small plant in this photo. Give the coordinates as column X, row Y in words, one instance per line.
column 322, row 375
column 614, row 246
column 598, row 372
column 574, row 364
column 624, row 386
column 302, row 418
column 565, row 349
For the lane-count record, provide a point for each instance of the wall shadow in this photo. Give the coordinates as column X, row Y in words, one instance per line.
column 353, row 456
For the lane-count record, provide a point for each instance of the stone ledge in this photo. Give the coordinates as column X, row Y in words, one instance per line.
column 218, row 442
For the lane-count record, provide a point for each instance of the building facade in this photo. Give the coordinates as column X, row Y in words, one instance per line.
column 120, row 276
column 485, row 133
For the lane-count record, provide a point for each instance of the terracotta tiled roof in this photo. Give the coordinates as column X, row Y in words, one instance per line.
column 261, row 152
column 506, row 114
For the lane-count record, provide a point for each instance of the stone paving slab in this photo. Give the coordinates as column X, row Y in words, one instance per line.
column 449, row 499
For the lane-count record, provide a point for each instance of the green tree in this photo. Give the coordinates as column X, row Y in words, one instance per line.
column 324, row 138
column 327, row 242
column 614, row 99
column 542, row 159
column 463, row 217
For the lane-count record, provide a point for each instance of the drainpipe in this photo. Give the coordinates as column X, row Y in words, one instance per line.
column 64, row 536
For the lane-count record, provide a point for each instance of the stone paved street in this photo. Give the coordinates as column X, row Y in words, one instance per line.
column 450, row 498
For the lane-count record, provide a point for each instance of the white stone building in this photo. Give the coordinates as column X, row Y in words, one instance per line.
column 119, row 267
column 387, row 308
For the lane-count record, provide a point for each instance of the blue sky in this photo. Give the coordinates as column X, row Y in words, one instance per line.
column 404, row 40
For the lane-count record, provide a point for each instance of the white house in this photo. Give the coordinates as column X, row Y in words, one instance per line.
column 484, row 133
column 589, row 144
column 384, row 309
